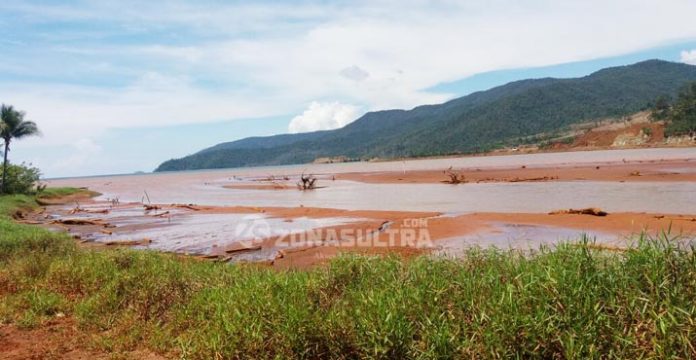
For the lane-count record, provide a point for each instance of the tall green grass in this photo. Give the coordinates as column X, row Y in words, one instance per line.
column 572, row 301
column 62, row 191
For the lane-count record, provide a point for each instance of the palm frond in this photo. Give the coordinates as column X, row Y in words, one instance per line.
column 25, row 128
column 13, row 125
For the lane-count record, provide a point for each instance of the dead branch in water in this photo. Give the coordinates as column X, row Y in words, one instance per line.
column 148, row 197
column 454, row 177
column 79, row 209
column 151, row 207
column 307, row 182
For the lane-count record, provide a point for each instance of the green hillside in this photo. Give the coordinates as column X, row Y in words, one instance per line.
column 474, row 123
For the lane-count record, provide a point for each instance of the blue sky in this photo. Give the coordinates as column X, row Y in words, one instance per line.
column 119, row 86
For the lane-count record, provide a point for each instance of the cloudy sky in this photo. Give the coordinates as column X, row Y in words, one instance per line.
column 119, row 86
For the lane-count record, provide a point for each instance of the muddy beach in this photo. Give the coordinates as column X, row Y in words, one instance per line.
column 259, row 215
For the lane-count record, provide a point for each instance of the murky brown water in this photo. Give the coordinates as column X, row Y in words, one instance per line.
column 522, row 237
column 205, row 187
column 198, row 233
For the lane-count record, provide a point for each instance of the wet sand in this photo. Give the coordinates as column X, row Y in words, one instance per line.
column 301, row 242
column 650, row 171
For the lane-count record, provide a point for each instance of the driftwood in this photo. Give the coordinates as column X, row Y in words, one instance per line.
column 586, row 211
column 128, row 242
column 307, row 182
column 96, row 222
column 30, row 222
column 187, row 206
column 454, row 177
column 162, row 214
column 242, row 248
column 541, row 178
column 86, row 211
column 692, row 219
column 273, row 178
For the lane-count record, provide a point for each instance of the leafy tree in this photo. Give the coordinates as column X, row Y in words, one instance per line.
column 683, row 114
column 13, row 127
column 21, row 179
column 660, row 110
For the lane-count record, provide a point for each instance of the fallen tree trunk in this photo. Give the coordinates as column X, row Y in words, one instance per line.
column 586, row 211
column 241, row 248
column 128, row 242
column 96, row 222
column 542, row 178
column 185, row 206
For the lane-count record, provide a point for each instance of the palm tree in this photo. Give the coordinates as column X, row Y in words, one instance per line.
column 13, row 126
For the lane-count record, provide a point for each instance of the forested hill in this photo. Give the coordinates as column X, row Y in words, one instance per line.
column 474, row 123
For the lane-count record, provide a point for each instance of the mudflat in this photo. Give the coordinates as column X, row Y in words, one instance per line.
column 407, row 207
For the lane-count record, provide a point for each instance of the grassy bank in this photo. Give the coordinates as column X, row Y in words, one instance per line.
column 571, row 302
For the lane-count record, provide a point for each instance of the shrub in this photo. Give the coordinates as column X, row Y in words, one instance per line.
column 683, row 115
column 22, row 179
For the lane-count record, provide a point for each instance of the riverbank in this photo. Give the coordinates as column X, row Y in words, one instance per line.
column 648, row 171
column 302, row 237
column 575, row 300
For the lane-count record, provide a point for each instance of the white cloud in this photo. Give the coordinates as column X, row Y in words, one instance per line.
column 83, row 152
column 355, row 73
column 688, row 57
column 324, row 116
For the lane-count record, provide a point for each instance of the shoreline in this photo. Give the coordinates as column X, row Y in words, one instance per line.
column 209, row 230
column 326, row 242
column 650, row 171
column 493, row 154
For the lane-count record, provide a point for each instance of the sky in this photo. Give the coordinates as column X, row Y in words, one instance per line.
column 120, row 86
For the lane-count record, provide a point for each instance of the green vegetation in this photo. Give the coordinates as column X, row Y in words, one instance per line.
column 21, row 179
column 682, row 114
column 13, row 126
column 51, row 193
column 576, row 301
column 660, row 110
column 12, row 204
column 478, row 122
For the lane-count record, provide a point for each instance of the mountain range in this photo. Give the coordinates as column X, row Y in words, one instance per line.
column 482, row 121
